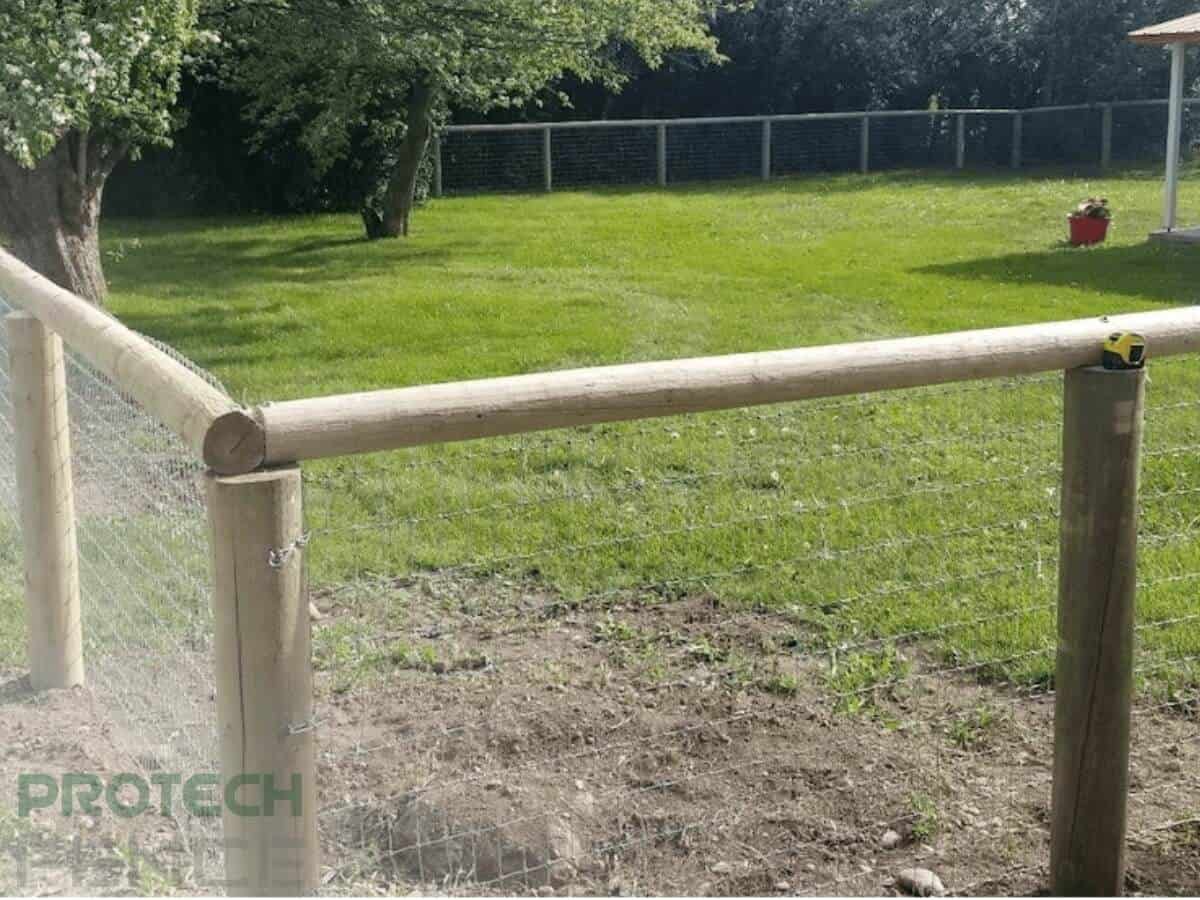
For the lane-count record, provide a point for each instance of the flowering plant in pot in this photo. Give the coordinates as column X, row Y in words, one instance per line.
column 1089, row 221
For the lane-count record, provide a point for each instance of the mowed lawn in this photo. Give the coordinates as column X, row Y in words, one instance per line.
column 924, row 519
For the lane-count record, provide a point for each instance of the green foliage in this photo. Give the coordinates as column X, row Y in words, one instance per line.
column 924, row 817
column 858, row 679
column 341, row 73
column 109, row 67
column 974, row 729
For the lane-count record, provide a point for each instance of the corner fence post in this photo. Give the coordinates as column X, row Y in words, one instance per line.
column 1018, row 138
column 547, row 160
column 264, row 684
column 1102, row 439
column 47, row 505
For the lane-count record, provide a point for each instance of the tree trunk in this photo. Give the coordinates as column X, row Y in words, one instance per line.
column 391, row 218
column 50, row 214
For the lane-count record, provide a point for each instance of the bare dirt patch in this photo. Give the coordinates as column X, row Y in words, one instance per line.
column 507, row 742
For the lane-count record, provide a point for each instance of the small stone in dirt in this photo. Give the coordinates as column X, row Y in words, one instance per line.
column 545, row 891
column 890, row 840
column 314, row 614
column 721, row 868
column 920, row 883
column 782, row 886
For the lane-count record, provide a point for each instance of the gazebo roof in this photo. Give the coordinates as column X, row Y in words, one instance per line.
column 1185, row 30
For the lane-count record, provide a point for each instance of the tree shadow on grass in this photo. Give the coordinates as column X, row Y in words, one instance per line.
column 168, row 264
column 1148, row 271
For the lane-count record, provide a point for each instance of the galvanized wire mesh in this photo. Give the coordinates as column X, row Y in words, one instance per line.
column 144, row 576
column 789, row 650
column 629, row 153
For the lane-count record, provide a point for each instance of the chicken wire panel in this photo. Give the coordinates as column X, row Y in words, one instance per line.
column 481, row 161
column 815, row 145
column 1069, row 137
column 712, row 152
column 808, row 645
column 989, row 139
column 145, row 583
column 913, row 142
column 613, row 155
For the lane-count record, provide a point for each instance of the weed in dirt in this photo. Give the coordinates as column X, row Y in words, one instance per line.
column 859, row 680
column 924, row 817
column 976, row 728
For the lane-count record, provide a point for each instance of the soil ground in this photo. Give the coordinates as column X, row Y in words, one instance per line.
column 674, row 748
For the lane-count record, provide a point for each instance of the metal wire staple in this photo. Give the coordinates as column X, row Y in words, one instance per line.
column 277, row 557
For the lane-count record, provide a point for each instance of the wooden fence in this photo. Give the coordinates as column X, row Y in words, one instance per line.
column 262, row 631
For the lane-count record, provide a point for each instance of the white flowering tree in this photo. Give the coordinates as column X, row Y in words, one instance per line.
column 368, row 77
column 83, row 84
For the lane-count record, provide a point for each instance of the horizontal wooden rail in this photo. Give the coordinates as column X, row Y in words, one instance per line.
column 793, row 117
column 442, row 413
column 228, row 438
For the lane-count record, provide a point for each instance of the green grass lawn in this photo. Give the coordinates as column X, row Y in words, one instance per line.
column 927, row 513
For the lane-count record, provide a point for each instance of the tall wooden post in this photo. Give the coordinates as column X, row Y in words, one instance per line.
column 264, row 684
column 766, row 150
column 864, row 146
column 1106, row 136
column 47, row 506
column 547, row 160
column 1018, row 139
column 661, row 143
column 1102, row 441
column 960, row 142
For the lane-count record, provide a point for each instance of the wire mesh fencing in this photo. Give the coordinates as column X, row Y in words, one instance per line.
column 143, row 565
column 529, row 157
column 791, row 650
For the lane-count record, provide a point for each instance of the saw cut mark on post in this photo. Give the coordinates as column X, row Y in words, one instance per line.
column 42, row 448
column 1102, row 439
column 263, row 648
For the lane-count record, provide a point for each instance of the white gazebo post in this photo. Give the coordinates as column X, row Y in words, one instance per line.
column 1174, row 136
column 1176, row 35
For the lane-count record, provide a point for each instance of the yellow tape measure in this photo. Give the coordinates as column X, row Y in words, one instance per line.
column 1125, row 351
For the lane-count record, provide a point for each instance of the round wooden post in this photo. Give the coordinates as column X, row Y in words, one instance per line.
column 1102, row 441
column 1018, row 139
column 765, row 153
column 264, row 684
column 661, row 150
column 47, row 505
column 864, row 145
column 438, row 189
column 547, row 160
column 960, row 142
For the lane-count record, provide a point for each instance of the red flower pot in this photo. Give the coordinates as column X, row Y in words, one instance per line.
column 1088, row 230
